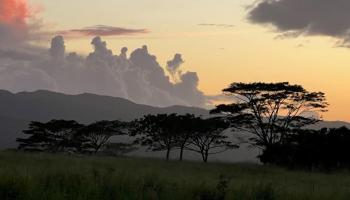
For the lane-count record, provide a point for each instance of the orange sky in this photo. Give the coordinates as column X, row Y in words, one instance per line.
column 220, row 55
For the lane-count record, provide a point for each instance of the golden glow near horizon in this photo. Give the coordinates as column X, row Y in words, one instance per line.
column 220, row 55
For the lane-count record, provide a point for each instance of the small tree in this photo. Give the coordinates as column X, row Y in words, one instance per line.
column 97, row 135
column 269, row 111
column 53, row 136
column 184, row 129
column 210, row 137
column 157, row 132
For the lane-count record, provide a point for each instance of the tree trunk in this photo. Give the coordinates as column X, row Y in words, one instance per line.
column 97, row 148
column 167, row 154
column 206, row 156
column 203, row 156
column 181, row 152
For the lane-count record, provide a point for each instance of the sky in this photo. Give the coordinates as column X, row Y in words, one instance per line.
column 222, row 41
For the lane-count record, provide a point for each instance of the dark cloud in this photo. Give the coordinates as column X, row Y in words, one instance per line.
column 57, row 49
column 305, row 17
column 218, row 25
column 102, row 30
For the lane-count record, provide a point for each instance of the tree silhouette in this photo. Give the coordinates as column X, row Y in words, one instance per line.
column 157, row 132
column 269, row 111
column 97, row 135
column 209, row 137
column 185, row 127
column 53, row 136
column 324, row 149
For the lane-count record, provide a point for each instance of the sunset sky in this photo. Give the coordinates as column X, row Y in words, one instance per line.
column 216, row 38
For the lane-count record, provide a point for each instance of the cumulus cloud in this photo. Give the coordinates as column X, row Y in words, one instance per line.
column 305, row 17
column 138, row 76
column 102, row 30
column 173, row 67
column 13, row 22
column 57, row 49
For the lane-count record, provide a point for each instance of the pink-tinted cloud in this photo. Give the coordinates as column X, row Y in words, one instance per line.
column 19, row 24
column 102, row 30
column 13, row 12
column 218, row 25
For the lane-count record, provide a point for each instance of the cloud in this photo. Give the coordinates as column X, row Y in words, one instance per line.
column 305, row 17
column 138, row 77
column 19, row 24
column 173, row 67
column 14, row 12
column 20, row 77
column 13, row 21
column 16, row 55
column 102, row 30
column 218, row 25
column 57, row 49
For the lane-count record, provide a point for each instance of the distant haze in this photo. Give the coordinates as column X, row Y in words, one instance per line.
column 17, row 110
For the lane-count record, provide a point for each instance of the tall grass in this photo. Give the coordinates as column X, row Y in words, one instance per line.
column 57, row 177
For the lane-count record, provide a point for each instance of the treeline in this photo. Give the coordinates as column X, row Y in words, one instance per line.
column 270, row 116
column 57, row 136
column 325, row 149
column 164, row 132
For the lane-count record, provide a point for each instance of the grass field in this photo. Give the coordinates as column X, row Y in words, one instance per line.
column 58, row 177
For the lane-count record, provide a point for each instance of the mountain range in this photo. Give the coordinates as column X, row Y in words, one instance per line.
column 18, row 109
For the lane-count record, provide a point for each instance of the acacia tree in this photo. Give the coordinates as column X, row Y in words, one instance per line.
column 270, row 110
column 209, row 137
column 157, row 132
column 53, row 136
column 97, row 135
column 184, row 129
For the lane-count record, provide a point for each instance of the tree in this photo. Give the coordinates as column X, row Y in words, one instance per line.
column 324, row 149
column 184, row 129
column 269, row 111
column 53, row 136
column 210, row 137
column 97, row 135
column 157, row 132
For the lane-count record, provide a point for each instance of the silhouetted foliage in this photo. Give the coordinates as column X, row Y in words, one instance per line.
column 157, row 132
column 53, row 136
column 184, row 132
column 186, row 127
column 268, row 111
column 209, row 137
column 70, row 136
column 323, row 149
column 97, row 135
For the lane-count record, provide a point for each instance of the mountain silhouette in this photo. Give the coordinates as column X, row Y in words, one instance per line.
column 17, row 110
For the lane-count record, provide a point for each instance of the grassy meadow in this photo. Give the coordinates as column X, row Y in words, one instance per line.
column 27, row 176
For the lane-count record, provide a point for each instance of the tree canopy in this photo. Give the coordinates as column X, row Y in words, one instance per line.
column 157, row 132
column 209, row 137
column 269, row 111
column 53, row 136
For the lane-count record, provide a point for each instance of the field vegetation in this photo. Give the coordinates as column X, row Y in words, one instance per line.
column 34, row 176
